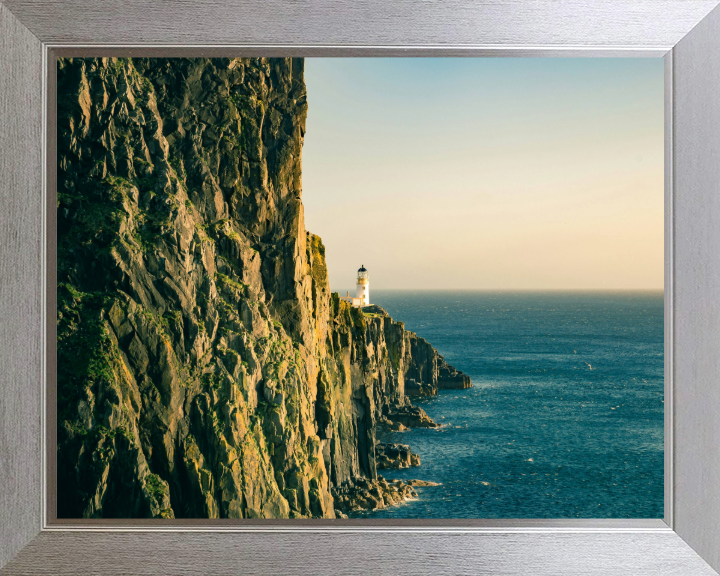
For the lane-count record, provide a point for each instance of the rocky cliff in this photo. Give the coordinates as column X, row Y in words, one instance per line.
column 204, row 367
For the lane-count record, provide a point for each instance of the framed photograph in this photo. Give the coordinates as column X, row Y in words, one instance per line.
column 189, row 384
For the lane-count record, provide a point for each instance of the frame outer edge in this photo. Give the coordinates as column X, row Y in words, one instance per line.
column 540, row 554
column 696, row 111
column 21, row 354
column 21, row 276
column 655, row 23
column 669, row 296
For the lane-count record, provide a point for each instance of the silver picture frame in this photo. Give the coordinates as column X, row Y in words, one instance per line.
column 686, row 33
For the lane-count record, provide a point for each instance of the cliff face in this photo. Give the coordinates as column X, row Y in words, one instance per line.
column 204, row 367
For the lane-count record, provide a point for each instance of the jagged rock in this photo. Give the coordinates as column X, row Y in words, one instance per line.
column 361, row 494
column 389, row 425
column 395, row 456
column 418, row 389
column 412, row 417
column 422, row 483
column 450, row 378
column 204, row 367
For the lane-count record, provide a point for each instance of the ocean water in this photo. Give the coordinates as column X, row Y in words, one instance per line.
column 565, row 417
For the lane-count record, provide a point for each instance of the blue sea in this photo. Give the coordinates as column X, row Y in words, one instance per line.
column 565, row 416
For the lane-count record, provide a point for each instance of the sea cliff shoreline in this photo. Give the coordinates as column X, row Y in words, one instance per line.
column 205, row 369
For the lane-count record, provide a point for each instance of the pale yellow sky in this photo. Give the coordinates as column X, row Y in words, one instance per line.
column 487, row 173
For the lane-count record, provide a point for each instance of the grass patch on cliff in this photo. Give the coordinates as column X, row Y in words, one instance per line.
column 87, row 356
column 211, row 381
column 118, row 64
column 161, row 324
column 201, row 233
column 97, row 216
column 358, row 319
column 105, row 208
column 236, row 286
column 155, row 486
column 319, row 266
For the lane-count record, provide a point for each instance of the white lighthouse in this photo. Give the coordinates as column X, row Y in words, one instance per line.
column 363, row 286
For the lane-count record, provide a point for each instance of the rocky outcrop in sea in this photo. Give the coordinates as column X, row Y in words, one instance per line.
column 390, row 455
column 449, row 378
column 363, row 494
column 204, row 367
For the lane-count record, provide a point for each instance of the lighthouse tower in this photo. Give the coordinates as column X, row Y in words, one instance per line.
column 363, row 286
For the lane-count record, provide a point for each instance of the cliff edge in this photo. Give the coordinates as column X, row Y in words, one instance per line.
column 204, row 367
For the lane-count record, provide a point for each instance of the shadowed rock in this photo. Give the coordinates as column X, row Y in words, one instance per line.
column 451, row 379
column 412, row 417
column 363, row 495
column 418, row 389
column 395, row 456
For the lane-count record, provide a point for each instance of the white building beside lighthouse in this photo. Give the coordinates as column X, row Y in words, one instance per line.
column 362, row 292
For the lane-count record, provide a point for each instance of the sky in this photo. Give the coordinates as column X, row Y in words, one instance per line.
column 487, row 173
